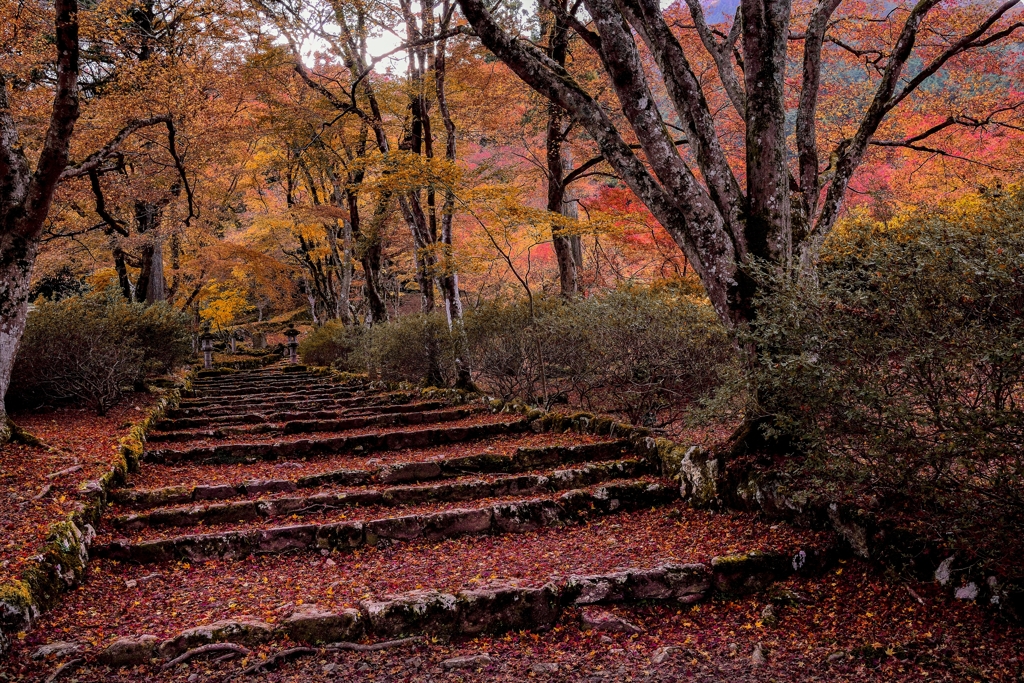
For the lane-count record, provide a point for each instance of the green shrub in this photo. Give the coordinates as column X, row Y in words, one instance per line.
column 88, row 348
column 644, row 352
column 414, row 348
column 332, row 344
column 902, row 374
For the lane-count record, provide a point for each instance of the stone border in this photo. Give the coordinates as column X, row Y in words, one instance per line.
column 490, row 609
column 61, row 563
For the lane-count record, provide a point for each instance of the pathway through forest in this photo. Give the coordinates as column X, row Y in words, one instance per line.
column 278, row 510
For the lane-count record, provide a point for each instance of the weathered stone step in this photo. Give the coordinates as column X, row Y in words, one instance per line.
column 304, row 448
column 310, row 426
column 289, row 416
column 524, row 459
column 303, row 405
column 268, row 397
column 256, row 383
column 517, row 516
column 500, row 606
column 461, row 489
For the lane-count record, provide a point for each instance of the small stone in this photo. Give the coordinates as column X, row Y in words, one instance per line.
column 57, row 650
column 363, row 666
column 131, row 583
column 663, row 653
column 193, row 678
column 734, row 649
column 606, row 621
column 768, row 616
column 414, row 662
column 544, row 668
column 330, row 668
column 836, row 657
column 757, row 657
column 466, row 662
column 329, row 563
column 618, row 651
column 606, row 640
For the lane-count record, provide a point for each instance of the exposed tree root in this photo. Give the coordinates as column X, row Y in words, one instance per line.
column 234, row 649
column 277, row 658
column 65, row 668
column 373, row 647
column 296, row 652
column 12, row 433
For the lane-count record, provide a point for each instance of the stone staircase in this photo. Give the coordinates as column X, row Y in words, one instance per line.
column 288, row 490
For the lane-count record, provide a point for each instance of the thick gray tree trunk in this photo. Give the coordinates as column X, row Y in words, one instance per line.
column 25, row 196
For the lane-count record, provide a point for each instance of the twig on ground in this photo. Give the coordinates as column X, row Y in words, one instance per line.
column 42, row 494
column 373, row 647
column 61, row 473
column 277, row 658
column 65, row 668
column 914, row 595
column 206, row 649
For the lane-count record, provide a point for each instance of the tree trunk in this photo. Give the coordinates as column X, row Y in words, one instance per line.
column 25, row 196
column 156, row 289
column 17, row 257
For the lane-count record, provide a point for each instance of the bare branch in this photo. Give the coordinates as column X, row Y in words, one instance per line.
column 93, row 162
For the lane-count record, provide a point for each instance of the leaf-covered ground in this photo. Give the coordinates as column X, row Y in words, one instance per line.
column 38, row 486
column 156, row 476
column 851, row 625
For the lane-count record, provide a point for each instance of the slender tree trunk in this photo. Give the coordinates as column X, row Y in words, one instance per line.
column 156, row 289
column 568, row 249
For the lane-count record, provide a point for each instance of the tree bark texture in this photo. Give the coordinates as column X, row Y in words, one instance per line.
column 25, row 195
column 722, row 226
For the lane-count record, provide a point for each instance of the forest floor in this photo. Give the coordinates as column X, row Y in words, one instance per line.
column 38, row 485
column 850, row 623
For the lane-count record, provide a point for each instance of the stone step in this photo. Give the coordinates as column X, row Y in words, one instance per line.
column 297, row 405
column 304, row 448
column 522, row 459
column 172, row 425
column 256, row 383
column 459, row 489
column 513, row 516
column 268, row 397
column 470, row 612
column 307, row 426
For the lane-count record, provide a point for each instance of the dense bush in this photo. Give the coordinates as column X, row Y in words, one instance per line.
column 88, row 348
column 415, row 348
column 902, row 374
column 642, row 352
column 333, row 343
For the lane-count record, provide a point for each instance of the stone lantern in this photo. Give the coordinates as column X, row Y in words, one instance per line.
column 292, row 335
column 206, row 343
column 234, row 338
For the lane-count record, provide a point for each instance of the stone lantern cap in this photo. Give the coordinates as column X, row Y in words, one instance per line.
column 207, row 340
column 291, row 333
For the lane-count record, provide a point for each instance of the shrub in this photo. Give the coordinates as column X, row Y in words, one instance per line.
column 414, row 348
column 902, row 374
column 332, row 344
column 88, row 348
column 645, row 352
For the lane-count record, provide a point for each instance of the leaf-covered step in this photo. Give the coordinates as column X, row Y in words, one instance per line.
column 458, row 490
column 303, row 448
column 523, row 459
column 261, row 397
column 296, row 405
column 272, row 415
column 311, row 426
column 507, row 517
